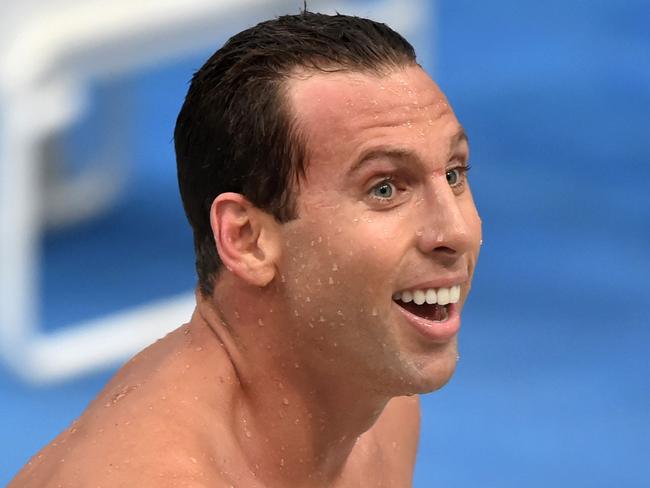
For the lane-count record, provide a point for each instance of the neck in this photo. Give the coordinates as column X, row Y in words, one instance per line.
column 296, row 422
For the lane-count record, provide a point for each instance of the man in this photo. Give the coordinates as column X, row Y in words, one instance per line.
column 324, row 175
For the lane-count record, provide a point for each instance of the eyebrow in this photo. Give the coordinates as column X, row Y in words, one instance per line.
column 383, row 153
column 399, row 154
column 460, row 136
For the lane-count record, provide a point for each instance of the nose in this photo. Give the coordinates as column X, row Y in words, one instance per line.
column 446, row 230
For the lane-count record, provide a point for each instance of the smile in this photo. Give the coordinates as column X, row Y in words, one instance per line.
column 419, row 302
column 431, row 310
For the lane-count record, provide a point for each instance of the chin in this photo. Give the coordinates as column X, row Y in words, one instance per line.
column 433, row 372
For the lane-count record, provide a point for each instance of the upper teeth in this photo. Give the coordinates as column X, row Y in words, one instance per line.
column 441, row 296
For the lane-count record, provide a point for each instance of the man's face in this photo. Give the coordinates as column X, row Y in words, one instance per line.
column 384, row 211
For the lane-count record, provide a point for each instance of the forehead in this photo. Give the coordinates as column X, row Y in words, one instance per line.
column 341, row 114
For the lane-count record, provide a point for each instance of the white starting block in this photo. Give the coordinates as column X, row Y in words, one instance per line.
column 50, row 53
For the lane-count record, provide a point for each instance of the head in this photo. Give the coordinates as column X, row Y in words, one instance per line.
column 235, row 131
column 320, row 163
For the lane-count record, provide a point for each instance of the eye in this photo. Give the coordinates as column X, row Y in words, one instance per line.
column 456, row 176
column 383, row 191
column 453, row 176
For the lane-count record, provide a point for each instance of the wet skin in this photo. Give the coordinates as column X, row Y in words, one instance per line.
column 298, row 371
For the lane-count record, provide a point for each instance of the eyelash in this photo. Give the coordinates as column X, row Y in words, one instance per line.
column 462, row 169
column 384, row 181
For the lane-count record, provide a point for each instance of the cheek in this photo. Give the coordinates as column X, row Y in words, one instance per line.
column 474, row 227
column 340, row 267
column 471, row 217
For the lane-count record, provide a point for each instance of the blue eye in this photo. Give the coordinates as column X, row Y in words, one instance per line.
column 384, row 190
column 456, row 176
column 453, row 176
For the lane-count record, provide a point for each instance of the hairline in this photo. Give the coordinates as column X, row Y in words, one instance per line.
column 296, row 133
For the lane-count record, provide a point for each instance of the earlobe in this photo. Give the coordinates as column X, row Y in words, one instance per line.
column 246, row 238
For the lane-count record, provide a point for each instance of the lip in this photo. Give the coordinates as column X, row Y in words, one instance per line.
column 446, row 283
column 437, row 332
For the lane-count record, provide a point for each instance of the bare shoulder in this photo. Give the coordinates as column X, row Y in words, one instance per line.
column 147, row 428
column 125, row 447
column 128, row 446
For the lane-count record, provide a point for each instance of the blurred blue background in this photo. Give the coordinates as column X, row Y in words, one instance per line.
column 553, row 385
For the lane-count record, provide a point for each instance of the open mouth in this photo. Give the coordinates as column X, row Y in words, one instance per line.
column 432, row 304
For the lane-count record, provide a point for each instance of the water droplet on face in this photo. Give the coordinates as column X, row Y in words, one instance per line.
column 285, row 401
column 198, row 349
column 335, row 267
column 308, row 299
column 331, row 280
column 374, row 312
column 419, row 232
column 321, row 319
column 260, row 322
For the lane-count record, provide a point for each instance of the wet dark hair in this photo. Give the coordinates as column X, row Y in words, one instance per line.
column 235, row 131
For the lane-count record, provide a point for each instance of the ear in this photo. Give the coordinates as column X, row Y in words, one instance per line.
column 246, row 237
